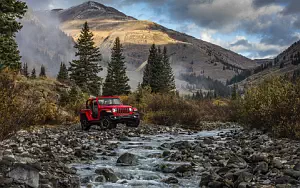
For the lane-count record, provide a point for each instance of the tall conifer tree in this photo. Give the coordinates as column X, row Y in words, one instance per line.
column 147, row 78
column 43, row 72
column 63, row 73
column 168, row 75
column 10, row 11
column 24, row 70
column 84, row 70
column 33, row 74
column 116, row 82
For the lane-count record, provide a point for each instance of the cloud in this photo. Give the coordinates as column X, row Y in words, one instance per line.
column 242, row 42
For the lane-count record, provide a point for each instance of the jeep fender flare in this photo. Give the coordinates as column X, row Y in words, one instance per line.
column 104, row 113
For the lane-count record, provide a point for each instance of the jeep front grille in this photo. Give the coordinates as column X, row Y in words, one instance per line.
column 123, row 110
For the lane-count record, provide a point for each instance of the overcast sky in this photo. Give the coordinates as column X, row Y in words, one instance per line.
column 254, row 28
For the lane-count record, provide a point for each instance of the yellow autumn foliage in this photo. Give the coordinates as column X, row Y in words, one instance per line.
column 273, row 105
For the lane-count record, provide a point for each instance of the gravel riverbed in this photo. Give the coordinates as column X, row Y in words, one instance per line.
column 148, row 156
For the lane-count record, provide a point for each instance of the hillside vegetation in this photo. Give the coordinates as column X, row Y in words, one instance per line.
column 273, row 106
column 26, row 102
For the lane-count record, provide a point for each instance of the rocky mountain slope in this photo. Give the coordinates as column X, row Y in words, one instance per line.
column 187, row 53
column 286, row 63
column 41, row 42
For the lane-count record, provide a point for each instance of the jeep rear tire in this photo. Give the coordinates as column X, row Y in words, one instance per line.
column 85, row 126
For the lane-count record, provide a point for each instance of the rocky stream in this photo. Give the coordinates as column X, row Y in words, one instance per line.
column 148, row 156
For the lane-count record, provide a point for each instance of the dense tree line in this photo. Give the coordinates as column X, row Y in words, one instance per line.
column 246, row 73
column 202, row 82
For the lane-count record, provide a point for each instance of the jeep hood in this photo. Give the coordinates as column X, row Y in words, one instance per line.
column 116, row 106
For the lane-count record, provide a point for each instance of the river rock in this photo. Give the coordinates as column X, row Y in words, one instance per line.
column 236, row 162
column 166, row 153
column 25, row 174
column 262, row 167
column 100, row 179
column 277, row 164
column 184, row 168
column 127, row 159
column 170, row 180
column 124, row 138
column 297, row 167
column 208, row 141
column 181, row 145
column 165, row 168
column 108, row 173
column 292, row 173
column 206, row 178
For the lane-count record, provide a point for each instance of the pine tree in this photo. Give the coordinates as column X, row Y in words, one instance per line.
column 63, row 73
column 153, row 74
column 148, row 69
column 43, row 72
column 25, row 70
column 11, row 10
column 84, row 71
column 33, row 74
column 234, row 92
column 116, row 82
column 168, row 76
column 158, row 73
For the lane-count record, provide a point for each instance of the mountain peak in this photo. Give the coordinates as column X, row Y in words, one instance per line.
column 92, row 9
column 95, row 5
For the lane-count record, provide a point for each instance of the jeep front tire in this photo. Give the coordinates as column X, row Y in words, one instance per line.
column 134, row 123
column 106, row 123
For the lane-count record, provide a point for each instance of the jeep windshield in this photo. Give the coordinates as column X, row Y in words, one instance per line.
column 110, row 101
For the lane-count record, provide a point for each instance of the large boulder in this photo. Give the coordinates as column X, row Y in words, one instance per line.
column 25, row 174
column 127, row 159
column 108, row 173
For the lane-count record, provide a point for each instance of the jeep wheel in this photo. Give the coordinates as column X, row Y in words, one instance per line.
column 113, row 126
column 85, row 126
column 135, row 123
column 105, row 123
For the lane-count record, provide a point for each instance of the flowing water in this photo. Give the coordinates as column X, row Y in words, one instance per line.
column 144, row 174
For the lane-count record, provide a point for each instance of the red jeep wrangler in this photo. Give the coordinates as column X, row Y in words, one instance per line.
column 107, row 112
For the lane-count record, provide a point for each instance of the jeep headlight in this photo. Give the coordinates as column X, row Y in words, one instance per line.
column 130, row 109
column 114, row 110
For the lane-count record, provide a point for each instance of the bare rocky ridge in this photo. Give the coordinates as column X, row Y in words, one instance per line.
column 137, row 36
column 90, row 10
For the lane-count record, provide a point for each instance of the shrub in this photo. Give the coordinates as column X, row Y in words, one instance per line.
column 24, row 103
column 16, row 111
column 272, row 106
column 73, row 100
column 169, row 109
